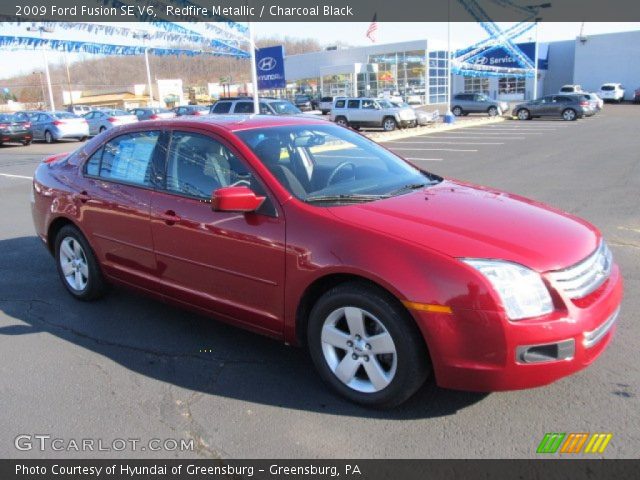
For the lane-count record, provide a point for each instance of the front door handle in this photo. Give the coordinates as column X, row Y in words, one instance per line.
column 169, row 217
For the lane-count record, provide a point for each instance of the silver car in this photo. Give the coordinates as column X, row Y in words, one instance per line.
column 54, row 126
column 371, row 112
column 466, row 103
column 101, row 120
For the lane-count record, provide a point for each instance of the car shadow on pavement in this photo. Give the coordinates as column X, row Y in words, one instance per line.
column 178, row 347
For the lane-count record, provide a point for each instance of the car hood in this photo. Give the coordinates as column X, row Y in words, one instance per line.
column 461, row 220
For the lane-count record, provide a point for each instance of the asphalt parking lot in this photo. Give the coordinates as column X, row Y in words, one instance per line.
column 130, row 367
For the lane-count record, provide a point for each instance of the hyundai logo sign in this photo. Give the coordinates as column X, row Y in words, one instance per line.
column 267, row 63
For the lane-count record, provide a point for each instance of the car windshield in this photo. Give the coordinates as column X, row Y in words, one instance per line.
column 328, row 164
column 387, row 104
column 284, row 108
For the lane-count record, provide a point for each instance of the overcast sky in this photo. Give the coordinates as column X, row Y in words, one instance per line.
column 462, row 34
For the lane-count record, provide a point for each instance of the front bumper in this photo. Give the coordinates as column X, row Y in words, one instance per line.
column 408, row 123
column 482, row 350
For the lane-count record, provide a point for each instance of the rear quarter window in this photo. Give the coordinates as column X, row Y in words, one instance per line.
column 340, row 104
column 353, row 104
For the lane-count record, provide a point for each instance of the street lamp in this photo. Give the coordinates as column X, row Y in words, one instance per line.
column 39, row 73
column 42, row 30
column 145, row 36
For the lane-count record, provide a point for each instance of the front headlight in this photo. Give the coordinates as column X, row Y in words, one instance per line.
column 522, row 291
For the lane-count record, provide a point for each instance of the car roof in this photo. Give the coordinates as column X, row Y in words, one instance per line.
column 233, row 123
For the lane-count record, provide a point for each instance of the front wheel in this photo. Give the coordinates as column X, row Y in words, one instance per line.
column 366, row 347
column 48, row 137
column 493, row 111
column 77, row 265
column 569, row 115
column 523, row 114
column 457, row 111
column 389, row 124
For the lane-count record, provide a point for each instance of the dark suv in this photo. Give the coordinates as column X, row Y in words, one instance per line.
column 466, row 103
column 567, row 107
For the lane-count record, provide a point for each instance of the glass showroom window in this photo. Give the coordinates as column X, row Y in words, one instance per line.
column 401, row 71
column 508, row 85
column 476, row 85
column 438, row 77
column 337, row 85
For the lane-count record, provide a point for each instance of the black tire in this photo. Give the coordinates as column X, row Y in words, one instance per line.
column 96, row 286
column 48, row 137
column 492, row 112
column 523, row 114
column 342, row 121
column 457, row 111
column 569, row 114
column 26, row 143
column 102, row 129
column 412, row 358
column 389, row 124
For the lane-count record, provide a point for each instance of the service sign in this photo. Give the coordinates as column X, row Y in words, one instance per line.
column 501, row 57
column 270, row 68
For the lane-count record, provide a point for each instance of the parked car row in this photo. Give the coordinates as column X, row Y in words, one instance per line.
column 568, row 106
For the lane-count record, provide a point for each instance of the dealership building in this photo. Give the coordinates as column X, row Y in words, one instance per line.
column 419, row 68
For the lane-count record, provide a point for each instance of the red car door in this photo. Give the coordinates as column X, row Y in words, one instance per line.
column 115, row 197
column 231, row 264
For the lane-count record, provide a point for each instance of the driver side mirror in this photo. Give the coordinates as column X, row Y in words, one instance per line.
column 235, row 199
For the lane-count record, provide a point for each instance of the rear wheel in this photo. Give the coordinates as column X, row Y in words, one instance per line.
column 569, row 114
column 457, row 111
column 389, row 124
column 493, row 111
column 102, row 129
column 523, row 114
column 342, row 121
column 77, row 265
column 26, row 143
column 48, row 137
column 366, row 347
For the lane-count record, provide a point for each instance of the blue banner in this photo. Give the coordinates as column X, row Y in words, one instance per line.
column 270, row 68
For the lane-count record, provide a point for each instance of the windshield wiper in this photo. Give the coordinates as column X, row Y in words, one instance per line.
column 408, row 187
column 345, row 198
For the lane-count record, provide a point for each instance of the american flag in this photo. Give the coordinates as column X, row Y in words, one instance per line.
column 373, row 28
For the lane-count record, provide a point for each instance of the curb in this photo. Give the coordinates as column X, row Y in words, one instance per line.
column 426, row 130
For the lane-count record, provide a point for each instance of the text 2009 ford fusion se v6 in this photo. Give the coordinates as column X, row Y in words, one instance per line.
column 313, row 234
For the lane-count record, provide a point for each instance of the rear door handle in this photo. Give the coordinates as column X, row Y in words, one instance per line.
column 83, row 196
column 169, row 217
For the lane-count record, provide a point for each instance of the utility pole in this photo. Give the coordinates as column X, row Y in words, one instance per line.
column 145, row 36
column 66, row 65
column 42, row 30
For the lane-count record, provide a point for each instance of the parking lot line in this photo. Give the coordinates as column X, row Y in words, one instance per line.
column 511, row 132
column 434, row 149
column 420, row 142
column 9, row 175
column 471, row 137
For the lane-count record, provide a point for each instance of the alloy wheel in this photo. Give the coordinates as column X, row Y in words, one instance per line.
column 358, row 349
column 73, row 262
column 569, row 114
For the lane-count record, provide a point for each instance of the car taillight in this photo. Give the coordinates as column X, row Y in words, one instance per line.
column 584, row 104
column 153, row 117
column 58, row 122
column 112, row 119
column 27, row 125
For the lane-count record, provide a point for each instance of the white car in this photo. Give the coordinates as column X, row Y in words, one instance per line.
column 614, row 92
column 571, row 89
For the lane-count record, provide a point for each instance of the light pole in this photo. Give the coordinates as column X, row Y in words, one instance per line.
column 145, row 36
column 254, row 73
column 535, row 66
column 39, row 73
column 42, row 30
column 66, row 64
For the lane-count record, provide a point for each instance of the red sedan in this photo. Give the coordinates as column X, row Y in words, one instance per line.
column 311, row 233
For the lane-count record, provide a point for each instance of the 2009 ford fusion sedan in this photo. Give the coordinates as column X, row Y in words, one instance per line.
column 311, row 233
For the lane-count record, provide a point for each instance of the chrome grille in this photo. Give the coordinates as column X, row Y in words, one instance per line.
column 586, row 276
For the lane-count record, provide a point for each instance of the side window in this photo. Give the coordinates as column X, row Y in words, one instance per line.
column 222, row 107
column 243, row 107
column 264, row 109
column 42, row 118
column 90, row 116
column 340, row 104
column 368, row 104
column 128, row 158
column 353, row 104
column 198, row 165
